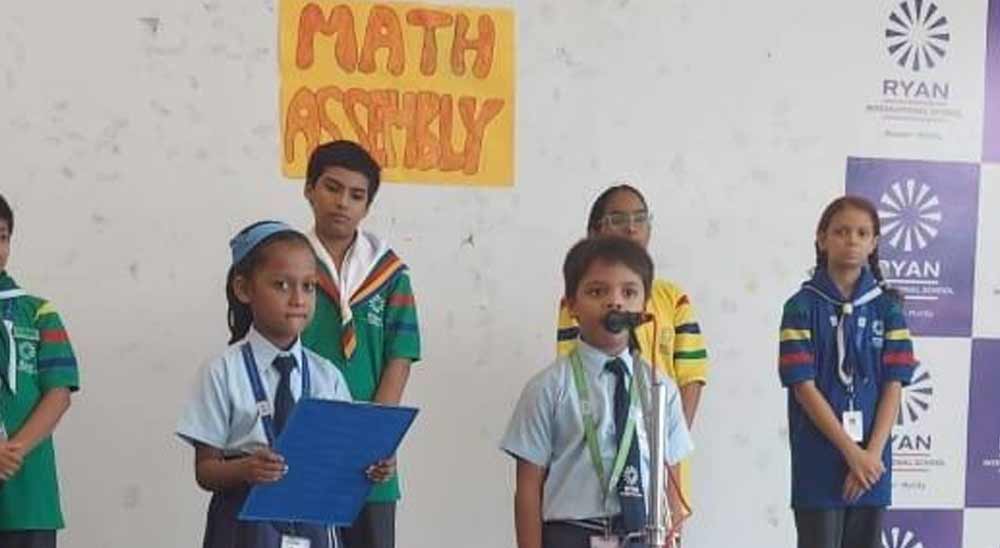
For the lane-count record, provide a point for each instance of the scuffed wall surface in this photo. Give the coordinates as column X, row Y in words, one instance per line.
column 137, row 136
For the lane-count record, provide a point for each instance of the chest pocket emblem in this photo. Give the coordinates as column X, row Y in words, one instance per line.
column 375, row 308
column 27, row 356
column 878, row 330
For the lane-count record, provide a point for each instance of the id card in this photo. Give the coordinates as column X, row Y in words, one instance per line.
column 600, row 541
column 854, row 425
column 294, row 542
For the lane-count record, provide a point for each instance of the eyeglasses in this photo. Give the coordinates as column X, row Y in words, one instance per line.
column 621, row 219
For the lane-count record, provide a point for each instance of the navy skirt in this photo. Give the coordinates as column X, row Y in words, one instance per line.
column 224, row 529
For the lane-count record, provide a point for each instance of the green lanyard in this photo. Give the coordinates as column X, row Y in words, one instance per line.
column 590, row 430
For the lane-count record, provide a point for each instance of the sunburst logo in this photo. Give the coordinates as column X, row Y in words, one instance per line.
column 900, row 538
column 910, row 214
column 916, row 398
column 917, row 35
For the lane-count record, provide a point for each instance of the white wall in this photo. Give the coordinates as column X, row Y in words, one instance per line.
column 131, row 156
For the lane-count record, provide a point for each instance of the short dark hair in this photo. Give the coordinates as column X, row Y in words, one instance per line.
column 6, row 214
column 348, row 155
column 610, row 249
column 600, row 207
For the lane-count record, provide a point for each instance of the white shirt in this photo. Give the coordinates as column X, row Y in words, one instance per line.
column 546, row 429
column 222, row 412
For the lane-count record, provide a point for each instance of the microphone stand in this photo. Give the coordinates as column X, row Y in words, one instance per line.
column 658, row 518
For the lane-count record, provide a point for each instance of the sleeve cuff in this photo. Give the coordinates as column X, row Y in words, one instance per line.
column 796, row 375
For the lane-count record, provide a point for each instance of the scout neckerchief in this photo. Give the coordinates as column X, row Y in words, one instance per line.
column 380, row 272
column 7, row 298
column 590, row 428
column 264, row 407
column 824, row 287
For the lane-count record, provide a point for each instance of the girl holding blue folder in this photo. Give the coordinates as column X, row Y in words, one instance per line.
column 244, row 397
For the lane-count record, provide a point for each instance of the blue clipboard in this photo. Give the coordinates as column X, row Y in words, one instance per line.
column 328, row 445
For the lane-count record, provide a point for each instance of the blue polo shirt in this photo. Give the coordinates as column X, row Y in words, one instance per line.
column 878, row 349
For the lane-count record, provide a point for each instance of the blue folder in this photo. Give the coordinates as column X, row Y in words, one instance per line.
column 328, row 445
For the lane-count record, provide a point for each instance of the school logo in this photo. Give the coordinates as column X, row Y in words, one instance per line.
column 928, row 212
column 900, row 538
column 878, row 332
column 878, row 328
column 376, row 305
column 917, row 35
column 631, row 477
column 910, row 214
column 916, row 398
column 26, row 354
column 922, row 528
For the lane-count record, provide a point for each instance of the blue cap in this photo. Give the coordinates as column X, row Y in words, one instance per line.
column 250, row 237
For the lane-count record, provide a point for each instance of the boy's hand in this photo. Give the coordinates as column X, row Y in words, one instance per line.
column 11, row 459
column 264, row 466
column 381, row 471
column 852, row 489
column 865, row 467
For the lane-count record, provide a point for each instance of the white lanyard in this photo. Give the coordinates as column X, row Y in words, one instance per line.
column 846, row 309
column 8, row 297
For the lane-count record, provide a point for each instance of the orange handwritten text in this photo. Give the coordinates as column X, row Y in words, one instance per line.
column 428, row 90
column 425, row 119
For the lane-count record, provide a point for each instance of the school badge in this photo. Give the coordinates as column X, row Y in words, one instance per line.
column 27, row 355
column 376, row 306
column 878, row 330
column 631, row 477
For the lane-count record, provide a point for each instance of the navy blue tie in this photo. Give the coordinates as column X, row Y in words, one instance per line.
column 630, row 489
column 283, row 399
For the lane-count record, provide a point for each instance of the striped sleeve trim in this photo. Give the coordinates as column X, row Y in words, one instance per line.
column 796, row 358
column 54, row 336
column 795, row 335
column 691, row 328
column 402, row 326
column 904, row 358
column 402, row 300
column 45, row 310
column 898, row 335
column 691, row 355
column 55, row 363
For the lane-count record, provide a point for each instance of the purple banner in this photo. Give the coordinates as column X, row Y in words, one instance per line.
column 922, row 528
column 991, row 114
column 929, row 213
column 982, row 487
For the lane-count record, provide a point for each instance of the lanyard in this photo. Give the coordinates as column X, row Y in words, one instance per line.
column 263, row 405
column 845, row 310
column 8, row 322
column 590, row 430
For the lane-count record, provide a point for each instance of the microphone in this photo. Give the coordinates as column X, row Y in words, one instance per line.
column 617, row 320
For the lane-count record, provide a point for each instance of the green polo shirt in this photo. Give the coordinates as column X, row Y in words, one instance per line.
column 386, row 326
column 44, row 360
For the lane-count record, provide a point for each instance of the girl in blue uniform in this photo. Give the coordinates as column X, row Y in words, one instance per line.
column 845, row 353
column 245, row 396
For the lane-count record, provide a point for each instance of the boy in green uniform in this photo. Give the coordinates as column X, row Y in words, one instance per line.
column 366, row 318
column 39, row 372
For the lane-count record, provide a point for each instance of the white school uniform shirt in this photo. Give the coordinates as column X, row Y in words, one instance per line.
column 223, row 413
column 546, row 429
